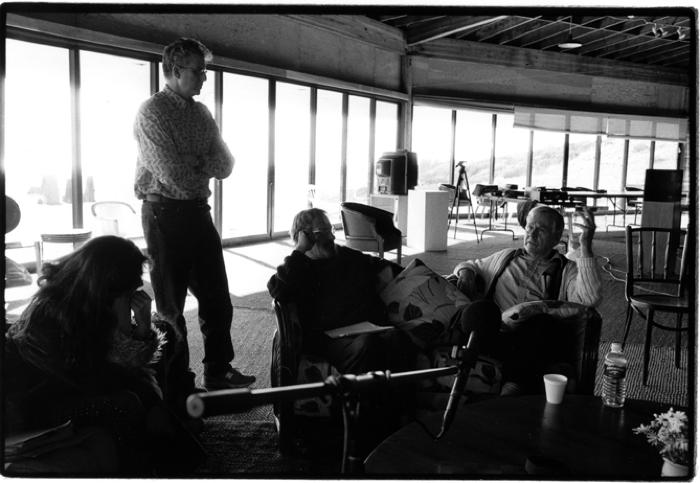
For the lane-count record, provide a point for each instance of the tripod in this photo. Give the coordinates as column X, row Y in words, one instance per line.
column 462, row 183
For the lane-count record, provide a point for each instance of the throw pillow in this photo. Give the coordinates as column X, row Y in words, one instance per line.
column 519, row 313
column 422, row 303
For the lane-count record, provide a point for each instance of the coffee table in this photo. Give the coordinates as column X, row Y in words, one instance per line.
column 520, row 436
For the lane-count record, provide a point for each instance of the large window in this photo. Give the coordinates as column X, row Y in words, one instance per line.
column 637, row 162
column 38, row 159
column 329, row 132
column 356, row 188
column 512, row 147
column 581, row 160
column 245, row 130
column 432, row 143
column 612, row 153
column 473, row 139
column 665, row 155
column 547, row 159
column 292, row 121
column 386, row 128
column 111, row 91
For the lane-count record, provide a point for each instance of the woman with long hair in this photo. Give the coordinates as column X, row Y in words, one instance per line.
column 78, row 353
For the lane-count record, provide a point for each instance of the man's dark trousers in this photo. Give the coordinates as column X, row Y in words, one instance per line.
column 186, row 252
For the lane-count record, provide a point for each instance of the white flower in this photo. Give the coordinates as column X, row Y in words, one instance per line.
column 667, row 432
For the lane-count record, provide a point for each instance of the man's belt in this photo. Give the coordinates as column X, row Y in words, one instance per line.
column 154, row 198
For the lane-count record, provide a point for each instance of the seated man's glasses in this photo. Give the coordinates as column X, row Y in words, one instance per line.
column 326, row 231
column 195, row 71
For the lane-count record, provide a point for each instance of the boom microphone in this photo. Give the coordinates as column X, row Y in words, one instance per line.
column 472, row 324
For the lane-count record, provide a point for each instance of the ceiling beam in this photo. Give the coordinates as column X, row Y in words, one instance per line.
column 507, row 56
column 446, row 26
column 357, row 27
column 501, row 27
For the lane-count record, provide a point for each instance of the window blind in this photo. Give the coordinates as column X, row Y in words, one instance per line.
column 657, row 128
column 613, row 125
column 560, row 121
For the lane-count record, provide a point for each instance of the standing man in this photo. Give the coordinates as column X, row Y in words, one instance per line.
column 179, row 150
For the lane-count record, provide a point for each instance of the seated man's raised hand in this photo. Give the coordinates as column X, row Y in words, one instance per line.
column 587, row 231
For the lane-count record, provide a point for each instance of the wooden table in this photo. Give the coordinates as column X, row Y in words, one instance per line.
column 579, row 438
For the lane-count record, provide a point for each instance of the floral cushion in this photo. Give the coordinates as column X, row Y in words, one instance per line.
column 422, row 303
column 314, row 369
column 484, row 378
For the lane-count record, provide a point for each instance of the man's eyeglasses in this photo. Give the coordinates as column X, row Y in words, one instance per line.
column 330, row 230
column 195, row 71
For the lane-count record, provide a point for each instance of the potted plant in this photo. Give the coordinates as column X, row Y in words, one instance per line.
column 668, row 432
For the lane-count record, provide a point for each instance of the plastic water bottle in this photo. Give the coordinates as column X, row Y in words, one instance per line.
column 614, row 372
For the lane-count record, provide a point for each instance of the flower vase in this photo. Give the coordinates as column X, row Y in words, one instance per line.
column 670, row 468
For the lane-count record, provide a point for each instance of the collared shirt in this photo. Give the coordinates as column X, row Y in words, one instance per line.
column 179, row 148
column 523, row 280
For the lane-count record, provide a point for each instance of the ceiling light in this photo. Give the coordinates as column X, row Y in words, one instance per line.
column 681, row 34
column 570, row 42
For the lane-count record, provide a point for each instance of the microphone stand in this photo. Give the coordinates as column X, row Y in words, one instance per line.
column 346, row 388
column 467, row 360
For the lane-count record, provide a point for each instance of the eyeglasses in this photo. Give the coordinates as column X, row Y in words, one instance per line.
column 330, row 230
column 195, row 71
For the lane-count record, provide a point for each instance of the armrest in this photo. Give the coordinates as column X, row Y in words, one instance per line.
column 286, row 344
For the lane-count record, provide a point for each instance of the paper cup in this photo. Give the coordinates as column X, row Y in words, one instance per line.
column 554, row 387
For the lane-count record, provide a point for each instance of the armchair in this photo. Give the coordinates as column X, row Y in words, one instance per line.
column 370, row 229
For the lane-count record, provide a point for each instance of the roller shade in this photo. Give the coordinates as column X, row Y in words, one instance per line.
column 657, row 128
column 613, row 125
column 560, row 121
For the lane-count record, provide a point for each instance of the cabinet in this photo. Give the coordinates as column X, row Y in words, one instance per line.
column 427, row 219
column 396, row 204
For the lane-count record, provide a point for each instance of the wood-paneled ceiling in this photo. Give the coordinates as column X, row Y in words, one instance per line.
column 663, row 41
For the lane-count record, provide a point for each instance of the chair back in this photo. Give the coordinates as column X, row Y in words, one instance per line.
column 370, row 229
column 661, row 206
column 653, row 264
column 450, row 188
column 358, row 225
column 113, row 216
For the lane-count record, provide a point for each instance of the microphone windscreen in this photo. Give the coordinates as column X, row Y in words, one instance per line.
column 484, row 318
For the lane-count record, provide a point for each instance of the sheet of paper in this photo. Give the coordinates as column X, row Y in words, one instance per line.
column 354, row 329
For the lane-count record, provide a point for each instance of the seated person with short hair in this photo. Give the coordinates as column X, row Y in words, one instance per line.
column 512, row 283
column 334, row 286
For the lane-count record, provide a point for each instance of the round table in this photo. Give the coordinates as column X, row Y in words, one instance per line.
column 516, row 436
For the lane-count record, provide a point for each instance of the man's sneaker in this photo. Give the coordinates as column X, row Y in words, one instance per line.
column 231, row 379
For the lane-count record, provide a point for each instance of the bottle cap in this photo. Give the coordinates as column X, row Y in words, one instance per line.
column 615, row 347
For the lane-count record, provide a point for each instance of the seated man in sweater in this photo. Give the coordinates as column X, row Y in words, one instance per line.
column 513, row 281
column 334, row 286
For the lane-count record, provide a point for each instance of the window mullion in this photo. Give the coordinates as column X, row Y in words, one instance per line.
column 76, row 171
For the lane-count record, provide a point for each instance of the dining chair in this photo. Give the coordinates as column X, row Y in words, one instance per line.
column 656, row 281
column 113, row 216
column 370, row 229
column 75, row 236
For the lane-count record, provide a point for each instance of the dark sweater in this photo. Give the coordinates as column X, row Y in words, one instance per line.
column 332, row 292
